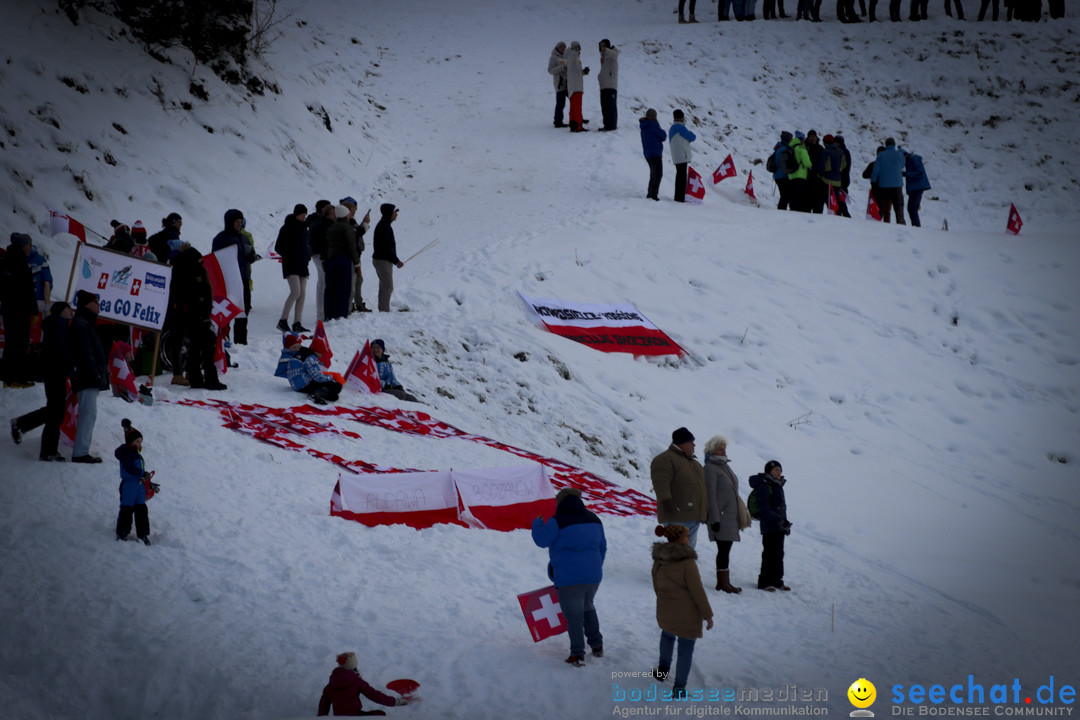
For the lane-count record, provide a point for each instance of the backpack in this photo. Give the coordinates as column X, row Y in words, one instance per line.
column 770, row 164
column 752, row 505
column 787, row 157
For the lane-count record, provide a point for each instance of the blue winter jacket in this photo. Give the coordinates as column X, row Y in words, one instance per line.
column 781, row 171
column 771, row 503
column 575, row 541
column 301, row 368
column 132, row 471
column 652, row 138
column 889, row 168
column 386, row 373
column 915, row 173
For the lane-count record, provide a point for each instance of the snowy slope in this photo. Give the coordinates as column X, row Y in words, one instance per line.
column 933, row 485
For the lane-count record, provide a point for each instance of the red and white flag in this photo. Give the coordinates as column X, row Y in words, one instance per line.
column 320, row 344
column 873, row 212
column 221, row 360
column 71, row 416
column 62, row 223
column 695, row 186
column 834, row 205
column 222, row 313
column 121, row 378
column 726, row 170
column 1015, row 223
column 362, row 374
column 542, row 612
column 223, row 270
column 749, row 189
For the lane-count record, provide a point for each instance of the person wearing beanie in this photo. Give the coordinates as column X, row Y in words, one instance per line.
column 768, row 488
column 341, row 695
column 19, row 307
column 845, row 174
column 681, row 603
column 888, row 177
column 304, row 370
column 121, row 240
column 191, row 303
column 577, row 547
column 165, row 243
column 90, row 372
column 817, row 192
column 317, row 225
column 575, row 86
column 917, row 184
column 387, row 378
column 557, row 71
column 652, row 145
column 727, row 514
column 608, row 77
column 141, row 247
column 356, row 300
column 134, row 480
column 232, row 235
column 384, row 254
column 678, row 480
column 341, row 260
column 679, row 139
column 798, row 189
column 56, row 367
column 292, row 246
column 831, row 164
column 779, row 164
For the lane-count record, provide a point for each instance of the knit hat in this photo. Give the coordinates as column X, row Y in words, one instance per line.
column 575, row 45
column 20, row 239
column 172, row 218
column 289, row 339
column 300, row 209
column 772, row 464
column 811, row 132
column 138, row 231
column 672, row 532
column 567, row 492
column 84, row 298
column 800, row 134
column 348, row 201
column 58, row 307
column 678, row 115
column 379, row 343
column 839, row 139
column 341, row 212
column 785, row 136
column 828, row 139
column 682, row 435
column 347, row 660
column 650, row 114
column 130, row 433
column 889, row 142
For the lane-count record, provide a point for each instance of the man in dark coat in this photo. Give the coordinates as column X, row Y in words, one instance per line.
column 341, row 260
column 772, row 510
column 384, row 255
column 652, row 145
column 317, row 224
column 231, row 235
column 678, row 480
column 19, row 308
column 90, row 373
column 292, row 246
column 196, row 303
column 56, row 367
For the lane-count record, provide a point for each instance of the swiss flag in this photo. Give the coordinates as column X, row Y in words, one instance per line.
column 1015, row 223
column 223, row 271
column 221, row 360
column 223, row 312
column 542, row 612
column 726, row 170
column 362, row 374
column 834, row 206
column 121, row 377
column 320, row 344
column 695, row 186
column 71, row 416
column 749, row 189
column 61, row 223
column 873, row 212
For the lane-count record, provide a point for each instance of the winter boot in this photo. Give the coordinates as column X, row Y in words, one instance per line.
column 692, row 18
column 682, row 19
column 723, row 582
column 576, row 660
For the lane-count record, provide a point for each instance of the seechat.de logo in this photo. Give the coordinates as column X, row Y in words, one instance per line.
column 862, row 695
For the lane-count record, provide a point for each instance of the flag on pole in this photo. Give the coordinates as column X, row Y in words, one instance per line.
column 1015, row 223
column 726, row 170
column 873, row 212
column 834, row 205
column 542, row 612
column 749, row 189
column 71, row 416
column 62, row 223
column 320, row 344
column 695, row 186
column 223, row 270
column 221, row 358
column 222, row 313
column 362, row 374
column 121, row 378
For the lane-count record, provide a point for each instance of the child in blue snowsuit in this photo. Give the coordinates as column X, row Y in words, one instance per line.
column 132, row 488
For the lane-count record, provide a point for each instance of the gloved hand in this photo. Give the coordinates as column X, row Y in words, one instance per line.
column 715, row 527
column 155, row 487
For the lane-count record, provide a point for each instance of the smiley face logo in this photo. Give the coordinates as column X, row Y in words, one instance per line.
column 862, row 693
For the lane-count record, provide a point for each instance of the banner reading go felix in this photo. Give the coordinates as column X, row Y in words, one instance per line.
column 130, row 290
column 608, row 328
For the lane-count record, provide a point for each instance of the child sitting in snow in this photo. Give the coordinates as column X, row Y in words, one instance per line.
column 342, row 693
column 386, row 372
column 134, row 480
column 302, row 367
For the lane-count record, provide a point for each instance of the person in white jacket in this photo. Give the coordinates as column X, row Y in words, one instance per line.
column 575, row 85
column 557, row 70
column 609, row 84
column 679, row 139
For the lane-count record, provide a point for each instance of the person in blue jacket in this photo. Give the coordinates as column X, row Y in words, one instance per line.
column 917, row 184
column 772, row 512
column 232, row 235
column 888, row 175
column 652, row 144
column 133, row 476
column 389, row 381
column 303, row 369
column 576, row 546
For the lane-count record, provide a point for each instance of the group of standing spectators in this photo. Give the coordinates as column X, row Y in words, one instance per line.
column 568, row 77
column 743, row 10
column 652, row 146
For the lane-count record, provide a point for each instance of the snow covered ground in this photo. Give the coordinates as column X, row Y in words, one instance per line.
column 936, row 375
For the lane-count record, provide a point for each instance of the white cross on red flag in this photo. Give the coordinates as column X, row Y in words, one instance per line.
column 362, row 374
column 1015, row 223
column 873, row 212
column 320, row 344
column 695, row 186
column 726, row 170
column 542, row 612
column 71, row 417
column 834, row 206
column 121, row 378
column 223, row 312
column 749, row 189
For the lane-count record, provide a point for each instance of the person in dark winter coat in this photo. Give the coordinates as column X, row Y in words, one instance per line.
column 557, row 70
column 679, row 139
column 342, row 693
column 356, row 298
column 166, row 242
column 845, row 174
column 576, row 549
column 725, row 521
column 780, row 175
column 292, row 246
column 233, row 235
column 303, row 369
column 317, row 224
column 342, row 259
column 681, row 603
column 888, row 174
column 772, row 509
column 679, row 483
column 133, row 476
column 90, row 373
column 652, row 145
column 384, row 254
column 19, row 302
column 815, row 188
column 917, row 184
column 194, row 301
column 389, row 381
column 56, row 368
column 831, row 165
